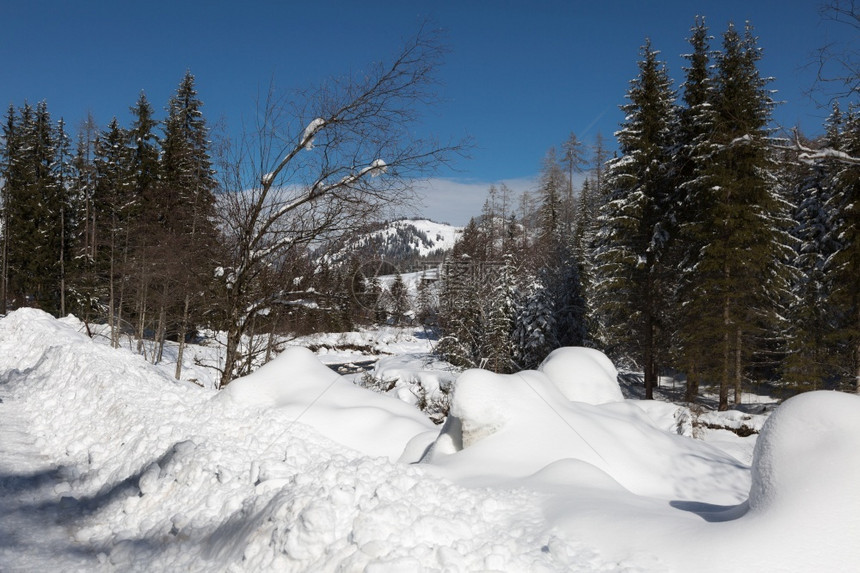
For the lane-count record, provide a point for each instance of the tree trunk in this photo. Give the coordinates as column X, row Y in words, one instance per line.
column 724, row 378
column 650, row 351
column 114, row 338
column 141, row 308
column 62, row 261
column 252, row 331
column 161, row 331
column 234, row 335
column 692, row 390
column 182, row 330
column 650, row 374
column 162, row 321
column 121, row 301
column 738, row 367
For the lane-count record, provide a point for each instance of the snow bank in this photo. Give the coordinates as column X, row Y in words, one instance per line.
column 306, row 390
column 156, row 476
column 583, row 375
column 806, row 458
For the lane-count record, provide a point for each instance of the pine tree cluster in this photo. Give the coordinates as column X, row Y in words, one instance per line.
column 707, row 247
column 116, row 228
column 717, row 252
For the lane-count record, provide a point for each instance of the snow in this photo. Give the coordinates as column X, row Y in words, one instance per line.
column 377, row 168
column 107, row 464
column 441, row 237
column 310, row 131
column 583, row 375
column 303, row 388
column 803, row 429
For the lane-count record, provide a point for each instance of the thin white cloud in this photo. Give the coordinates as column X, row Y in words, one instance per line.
column 455, row 202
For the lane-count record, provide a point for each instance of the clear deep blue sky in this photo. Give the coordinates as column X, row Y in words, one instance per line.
column 519, row 77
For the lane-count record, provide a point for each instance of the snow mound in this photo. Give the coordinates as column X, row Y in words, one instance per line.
column 508, row 427
column 298, row 383
column 583, row 375
column 806, row 457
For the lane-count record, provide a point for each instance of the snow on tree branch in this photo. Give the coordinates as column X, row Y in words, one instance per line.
column 808, row 155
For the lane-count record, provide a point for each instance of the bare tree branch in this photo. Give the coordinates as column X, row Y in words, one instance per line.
column 323, row 162
column 838, row 63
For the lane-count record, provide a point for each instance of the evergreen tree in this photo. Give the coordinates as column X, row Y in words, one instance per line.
column 534, row 332
column 741, row 223
column 809, row 363
column 400, row 305
column 843, row 266
column 462, row 296
column 113, row 207
column 32, row 210
column 144, row 174
column 83, row 280
column 64, row 210
column 691, row 343
column 184, row 205
column 10, row 153
column 501, row 310
column 632, row 279
column 551, row 194
column 144, row 146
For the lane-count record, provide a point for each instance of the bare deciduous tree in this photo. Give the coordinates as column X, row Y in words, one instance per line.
column 318, row 164
column 838, row 63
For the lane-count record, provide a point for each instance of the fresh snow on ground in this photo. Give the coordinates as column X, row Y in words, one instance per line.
column 108, row 464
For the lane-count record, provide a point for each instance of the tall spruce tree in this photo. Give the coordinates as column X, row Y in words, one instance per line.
column 691, row 343
column 184, row 206
column 144, row 173
column 741, row 223
column 843, row 266
column 63, row 210
column 632, row 280
column 32, row 205
column 809, row 364
column 9, row 154
column 82, row 284
column 113, row 208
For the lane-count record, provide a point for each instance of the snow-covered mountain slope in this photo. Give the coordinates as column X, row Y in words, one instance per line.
column 399, row 240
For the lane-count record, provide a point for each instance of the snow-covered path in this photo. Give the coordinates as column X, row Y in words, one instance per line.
column 33, row 536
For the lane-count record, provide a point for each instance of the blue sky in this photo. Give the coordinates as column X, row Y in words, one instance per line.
column 520, row 76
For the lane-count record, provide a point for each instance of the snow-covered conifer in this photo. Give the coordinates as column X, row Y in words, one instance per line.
column 630, row 286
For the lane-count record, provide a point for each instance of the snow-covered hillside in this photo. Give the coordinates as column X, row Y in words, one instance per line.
column 107, row 464
column 400, row 240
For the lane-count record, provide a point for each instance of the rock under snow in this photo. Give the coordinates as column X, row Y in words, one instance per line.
column 313, row 394
column 505, row 427
column 583, row 375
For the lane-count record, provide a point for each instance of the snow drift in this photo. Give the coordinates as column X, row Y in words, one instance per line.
column 304, row 389
column 583, row 375
column 506, row 427
column 150, row 474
